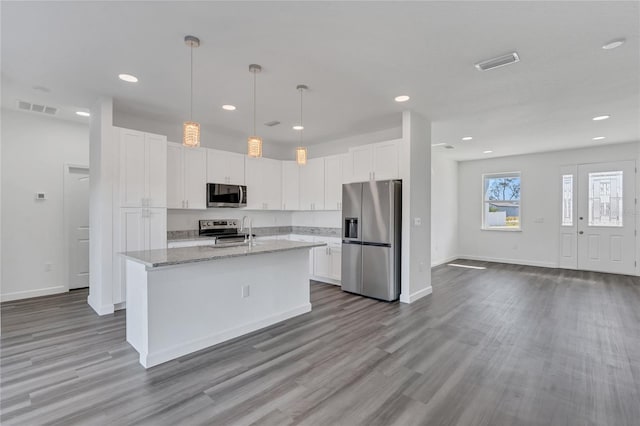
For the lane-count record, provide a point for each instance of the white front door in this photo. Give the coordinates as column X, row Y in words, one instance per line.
column 606, row 217
column 77, row 212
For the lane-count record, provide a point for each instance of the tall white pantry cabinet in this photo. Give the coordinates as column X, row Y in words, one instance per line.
column 140, row 219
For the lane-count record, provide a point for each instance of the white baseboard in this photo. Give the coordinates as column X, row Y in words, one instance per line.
column 417, row 295
column 120, row 306
column 173, row 352
column 325, row 280
column 100, row 310
column 443, row 261
column 524, row 262
column 17, row 295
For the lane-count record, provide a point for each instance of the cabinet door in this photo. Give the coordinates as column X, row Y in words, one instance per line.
column 321, row 262
column 335, row 268
column 225, row 167
column 235, row 168
column 132, row 165
column 312, row 185
column 195, row 178
column 156, row 170
column 256, row 184
column 333, row 183
column 175, row 177
column 272, row 184
column 131, row 238
column 361, row 163
column 290, row 186
column 155, row 226
column 385, row 160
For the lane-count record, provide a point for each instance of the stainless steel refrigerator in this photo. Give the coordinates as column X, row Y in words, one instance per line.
column 371, row 235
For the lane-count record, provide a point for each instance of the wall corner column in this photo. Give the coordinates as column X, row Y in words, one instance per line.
column 415, row 162
column 101, row 184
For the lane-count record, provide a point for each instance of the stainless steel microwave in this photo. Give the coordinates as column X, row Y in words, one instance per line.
column 225, row 195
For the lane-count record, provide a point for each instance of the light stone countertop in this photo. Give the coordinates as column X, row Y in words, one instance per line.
column 177, row 256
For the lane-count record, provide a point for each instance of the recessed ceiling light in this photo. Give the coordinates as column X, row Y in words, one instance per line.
column 229, row 107
column 467, row 138
column 599, row 138
column 298, row 127
column 613, row 44
column 601, row 117
column 402, row 98
column 83, row 113
column 128, row 78
column 487, row 152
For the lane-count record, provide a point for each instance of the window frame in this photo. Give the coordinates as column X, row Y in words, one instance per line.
column 483, row 226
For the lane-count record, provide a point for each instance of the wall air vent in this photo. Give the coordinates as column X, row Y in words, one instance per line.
column 272, row 123
column 498, row 62
column 28, row 106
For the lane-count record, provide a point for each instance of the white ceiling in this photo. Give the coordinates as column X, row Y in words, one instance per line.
column 355, row 57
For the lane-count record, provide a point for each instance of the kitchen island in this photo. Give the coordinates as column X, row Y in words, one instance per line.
column 182, row 300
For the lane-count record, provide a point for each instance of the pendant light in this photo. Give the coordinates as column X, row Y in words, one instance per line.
column 254, row 143
column 301, row 151
column 191, row 129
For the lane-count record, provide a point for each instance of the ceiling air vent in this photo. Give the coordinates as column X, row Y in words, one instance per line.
column 272, row 123
column 28, row 106
column 498, row 62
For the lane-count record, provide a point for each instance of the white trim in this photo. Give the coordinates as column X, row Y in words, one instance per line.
column 100, row 310
column 443, row 261
column 325, row 280
column 16, row 295
column 417, row 295
column 151, row 359
column 120, row 306
column 524, row 262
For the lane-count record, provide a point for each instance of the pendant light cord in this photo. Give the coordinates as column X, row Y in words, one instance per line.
column 301, row 125
column 191, row 87
column 254, row 102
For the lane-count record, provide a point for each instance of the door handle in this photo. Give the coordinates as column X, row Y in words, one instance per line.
column 581, row 232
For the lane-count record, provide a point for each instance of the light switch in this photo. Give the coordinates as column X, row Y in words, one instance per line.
column 417, row 221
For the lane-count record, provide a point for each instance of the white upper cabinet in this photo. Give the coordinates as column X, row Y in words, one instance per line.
column 379, row 161
column 143, row 169
column 186, row 177
column 333, row 178
column 225, row 167
column 175, row 176
column 264, row 184
column 312, row 185
column 195, row 178
column 290, row 186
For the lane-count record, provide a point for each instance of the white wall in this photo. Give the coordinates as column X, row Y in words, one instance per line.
column 35, row 149
column 538, row 243
column 444, row 210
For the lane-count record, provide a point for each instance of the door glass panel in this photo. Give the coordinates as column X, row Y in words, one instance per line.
column 567, row 200
column 605, row 199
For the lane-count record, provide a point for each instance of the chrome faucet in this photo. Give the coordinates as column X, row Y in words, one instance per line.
column 242, row 227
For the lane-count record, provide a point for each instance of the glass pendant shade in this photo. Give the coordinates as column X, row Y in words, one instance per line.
column 191, row 134
column 254, row 146
column 301, row 155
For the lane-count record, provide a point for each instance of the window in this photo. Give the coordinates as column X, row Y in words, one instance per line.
column 567, row 200
column 605, row 199
column 501, row 202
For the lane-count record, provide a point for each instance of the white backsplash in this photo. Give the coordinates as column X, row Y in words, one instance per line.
column 182, row 220
column 325, row 219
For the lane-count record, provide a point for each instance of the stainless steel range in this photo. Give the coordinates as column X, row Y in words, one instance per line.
column 226, row 231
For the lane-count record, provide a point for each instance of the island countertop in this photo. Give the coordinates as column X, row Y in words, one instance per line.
column 177, row 256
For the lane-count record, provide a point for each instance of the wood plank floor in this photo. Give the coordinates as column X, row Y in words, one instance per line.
column 509, row 345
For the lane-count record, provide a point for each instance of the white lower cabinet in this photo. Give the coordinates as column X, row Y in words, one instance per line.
column 327, row 262
column 140, row 229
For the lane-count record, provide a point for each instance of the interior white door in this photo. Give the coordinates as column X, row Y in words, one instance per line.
column 606, row 217
column 77, row 219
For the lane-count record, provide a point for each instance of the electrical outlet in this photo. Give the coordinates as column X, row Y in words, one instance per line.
column 246, row 291
column 417, row 221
